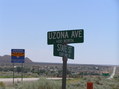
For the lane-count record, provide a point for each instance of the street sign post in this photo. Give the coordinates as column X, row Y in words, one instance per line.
column 64, row 73
column 17, row 55
column 67, row 36
column 64, row 51
column 60, row 39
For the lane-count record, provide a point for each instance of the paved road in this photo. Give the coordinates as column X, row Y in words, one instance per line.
column 17, row 79
column 113, row 73
column 10, row 80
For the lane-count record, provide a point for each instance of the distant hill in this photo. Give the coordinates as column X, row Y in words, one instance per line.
column 7, row 59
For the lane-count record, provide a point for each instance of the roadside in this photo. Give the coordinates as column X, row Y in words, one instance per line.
column 113, row 73
column 9, row 81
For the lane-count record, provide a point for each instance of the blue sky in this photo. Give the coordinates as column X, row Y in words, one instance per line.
column 24, row 24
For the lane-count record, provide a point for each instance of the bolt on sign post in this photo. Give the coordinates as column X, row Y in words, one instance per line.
column 17, row 56
column 60, row 39
column 89, row 85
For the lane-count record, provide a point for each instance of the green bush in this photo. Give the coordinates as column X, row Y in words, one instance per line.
column 2, row 85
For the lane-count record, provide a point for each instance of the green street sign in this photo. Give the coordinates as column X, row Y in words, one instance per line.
column 67, row 36
column 64, row 51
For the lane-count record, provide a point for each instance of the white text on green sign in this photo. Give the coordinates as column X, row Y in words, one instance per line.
column 64, row 51
column 67, row 36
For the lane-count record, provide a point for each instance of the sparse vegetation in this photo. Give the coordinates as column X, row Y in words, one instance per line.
column 77, row 83
column 42, row 83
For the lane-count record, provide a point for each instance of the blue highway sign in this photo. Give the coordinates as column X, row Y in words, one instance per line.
column 17, row 55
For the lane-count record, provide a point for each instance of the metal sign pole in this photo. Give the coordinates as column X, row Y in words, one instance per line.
column 22, row 73
column 13, row 73
column 64, row 74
